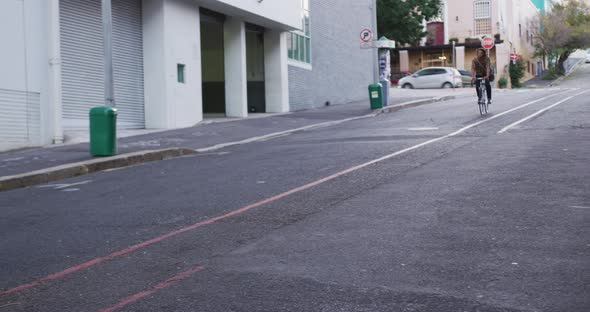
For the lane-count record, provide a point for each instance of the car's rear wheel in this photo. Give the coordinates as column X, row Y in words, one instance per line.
column 447, row 85
column 407, row 86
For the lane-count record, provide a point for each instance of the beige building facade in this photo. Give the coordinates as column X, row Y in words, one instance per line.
column 465, row 23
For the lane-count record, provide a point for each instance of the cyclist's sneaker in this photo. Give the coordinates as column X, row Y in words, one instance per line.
column 489, row 102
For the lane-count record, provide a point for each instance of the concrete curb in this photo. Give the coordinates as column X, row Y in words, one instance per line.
column 85, row 167
column 393, row 108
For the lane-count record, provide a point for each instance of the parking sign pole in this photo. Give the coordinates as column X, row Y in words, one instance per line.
column 375, row 52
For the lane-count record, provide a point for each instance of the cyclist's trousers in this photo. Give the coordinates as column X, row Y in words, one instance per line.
column 488, row 88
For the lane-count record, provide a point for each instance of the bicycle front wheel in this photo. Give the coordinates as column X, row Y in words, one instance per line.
column 482, row 108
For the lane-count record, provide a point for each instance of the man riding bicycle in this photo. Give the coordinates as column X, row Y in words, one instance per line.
column 480, row 68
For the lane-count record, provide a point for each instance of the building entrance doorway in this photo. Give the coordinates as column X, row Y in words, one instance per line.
column 255, row 68
column 212, row 62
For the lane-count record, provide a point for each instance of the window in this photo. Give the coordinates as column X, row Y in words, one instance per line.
column 519, row 30
column 424, row 72
column 427, row 72
column 482, row 17
column 299, row 42
column 527, row 35
column 180, row 72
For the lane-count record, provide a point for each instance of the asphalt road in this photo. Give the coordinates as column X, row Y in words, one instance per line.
column 423, row 209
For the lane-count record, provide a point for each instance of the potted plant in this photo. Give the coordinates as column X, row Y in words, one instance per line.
column 502, row 82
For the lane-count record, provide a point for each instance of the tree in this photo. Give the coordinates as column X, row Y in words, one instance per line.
column 550, row 34
column 562, row 31
column 401, row 20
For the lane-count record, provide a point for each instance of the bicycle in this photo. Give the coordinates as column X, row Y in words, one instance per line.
column 481, row 101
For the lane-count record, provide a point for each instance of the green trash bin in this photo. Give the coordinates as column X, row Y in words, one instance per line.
column 103, row 131
column 376, row 95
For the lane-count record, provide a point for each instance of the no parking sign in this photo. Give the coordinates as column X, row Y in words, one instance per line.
column 366, row 35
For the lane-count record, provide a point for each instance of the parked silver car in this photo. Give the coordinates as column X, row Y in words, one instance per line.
column 466, row 78
column 433, row 77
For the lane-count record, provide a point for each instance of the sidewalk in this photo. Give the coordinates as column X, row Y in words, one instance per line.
column 203, row 137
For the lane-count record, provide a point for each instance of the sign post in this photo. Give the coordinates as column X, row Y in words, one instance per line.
column 366, row 43
column 513, row 57
column 381, row 67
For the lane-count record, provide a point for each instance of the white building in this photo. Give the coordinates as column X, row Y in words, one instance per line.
column 52, row 63
column 175, row 61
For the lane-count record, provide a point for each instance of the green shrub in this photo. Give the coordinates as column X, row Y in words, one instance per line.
column 516, row 73
column 502, row 82
column 551, row 74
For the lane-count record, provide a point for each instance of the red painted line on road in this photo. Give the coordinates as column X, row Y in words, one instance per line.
column 163, row 285
column 20, row 288
column 158, row 239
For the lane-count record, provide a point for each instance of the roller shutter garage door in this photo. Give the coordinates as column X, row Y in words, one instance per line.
column 83, row 66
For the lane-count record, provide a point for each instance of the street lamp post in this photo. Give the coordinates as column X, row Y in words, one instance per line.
column 107, row 28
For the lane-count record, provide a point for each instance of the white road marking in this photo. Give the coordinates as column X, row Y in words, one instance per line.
column 320, row 125
column 422, row 128
column 281, row 133
column 72, row 184
column 580, row 207
column 275, row 137
column 63, row 185
column 210, row 154
column 539, row 112
column 113, row 169
column 49, row 185
column 501, row 114
column 71, row 190
column 13, row 159
column 411, row 148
